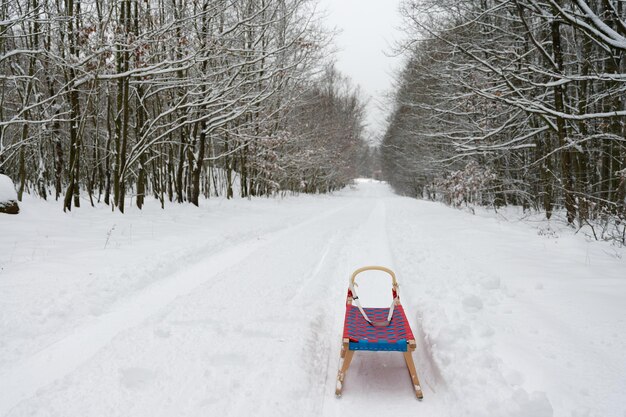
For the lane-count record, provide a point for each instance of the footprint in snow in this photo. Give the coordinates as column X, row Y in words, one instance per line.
column 162, row 332
column 136, row 378
column 484, row 330
column 490, row 283
column 472, row 304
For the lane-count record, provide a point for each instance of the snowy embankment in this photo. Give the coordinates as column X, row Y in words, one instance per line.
column 236, row 309
column 8, row 196
column 7, row 189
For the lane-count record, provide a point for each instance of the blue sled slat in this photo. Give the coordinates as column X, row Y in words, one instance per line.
column 364, row 344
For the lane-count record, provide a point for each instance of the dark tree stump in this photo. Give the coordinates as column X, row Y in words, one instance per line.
column 9, row 207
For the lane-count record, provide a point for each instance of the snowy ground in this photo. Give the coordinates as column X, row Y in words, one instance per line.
column 236, row 309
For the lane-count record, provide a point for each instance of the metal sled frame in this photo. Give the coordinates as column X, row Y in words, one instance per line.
column 398, row 326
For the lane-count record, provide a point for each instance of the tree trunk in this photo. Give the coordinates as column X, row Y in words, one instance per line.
column 559, row 106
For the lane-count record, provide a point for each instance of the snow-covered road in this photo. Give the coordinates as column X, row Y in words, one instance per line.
column 236, row 309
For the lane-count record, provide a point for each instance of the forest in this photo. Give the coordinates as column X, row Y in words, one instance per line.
column 499, row 102
column 106, row 100
column 516, row 102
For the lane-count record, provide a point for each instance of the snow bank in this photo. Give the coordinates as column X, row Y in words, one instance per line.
column 7, row 189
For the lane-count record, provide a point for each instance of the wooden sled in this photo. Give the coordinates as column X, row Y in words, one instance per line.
column 376, row 329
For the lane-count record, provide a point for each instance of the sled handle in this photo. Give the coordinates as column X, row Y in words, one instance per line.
column 375, row 268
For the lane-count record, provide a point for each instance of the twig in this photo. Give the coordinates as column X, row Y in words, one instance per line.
column 109, row 236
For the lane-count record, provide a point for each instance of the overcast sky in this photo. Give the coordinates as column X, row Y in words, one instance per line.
column 368, row 30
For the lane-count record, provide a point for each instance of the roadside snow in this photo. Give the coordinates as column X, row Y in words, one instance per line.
column 517, row 323
column 236, row 309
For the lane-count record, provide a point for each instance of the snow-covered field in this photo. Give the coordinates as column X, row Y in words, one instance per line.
column 236, row 309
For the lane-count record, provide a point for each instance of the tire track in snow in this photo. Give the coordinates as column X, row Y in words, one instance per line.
column 309, row 305
column 326, row 328
column 368, row 246
column 318, row 346
column 324, row 280
column 22, row 380
column 314, row 275
column 427, row 369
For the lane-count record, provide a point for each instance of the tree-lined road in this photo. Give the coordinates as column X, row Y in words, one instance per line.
column 255, row 327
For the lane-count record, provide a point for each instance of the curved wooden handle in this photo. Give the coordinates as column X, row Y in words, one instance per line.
column 375, row 268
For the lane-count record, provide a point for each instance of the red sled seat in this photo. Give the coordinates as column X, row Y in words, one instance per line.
column 363, row 336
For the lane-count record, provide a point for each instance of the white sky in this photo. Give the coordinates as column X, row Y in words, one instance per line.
column 368, row 30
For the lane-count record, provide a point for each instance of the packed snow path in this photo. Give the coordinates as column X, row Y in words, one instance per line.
column 237, row 308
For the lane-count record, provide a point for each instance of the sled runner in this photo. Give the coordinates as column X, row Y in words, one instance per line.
column 378, row 329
